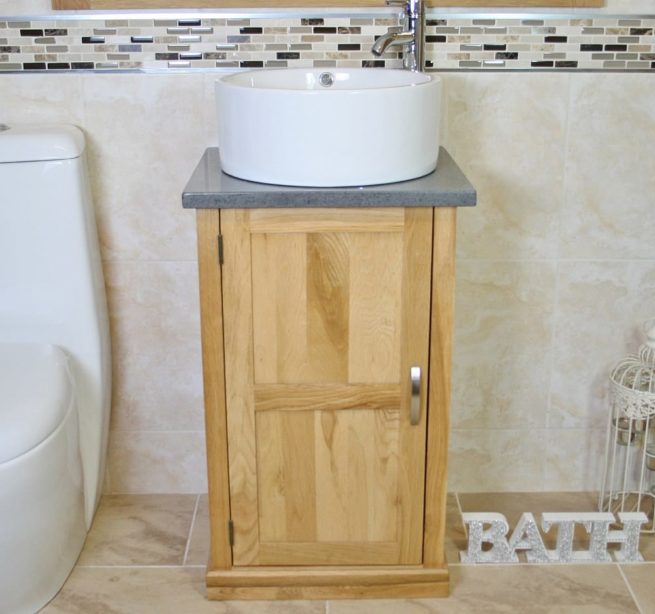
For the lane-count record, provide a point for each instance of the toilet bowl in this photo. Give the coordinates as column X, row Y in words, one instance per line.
column 54, row 363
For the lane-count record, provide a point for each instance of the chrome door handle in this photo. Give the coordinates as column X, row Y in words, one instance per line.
column 415, row 405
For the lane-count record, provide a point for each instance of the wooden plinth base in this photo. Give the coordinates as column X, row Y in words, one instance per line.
column 269, row 583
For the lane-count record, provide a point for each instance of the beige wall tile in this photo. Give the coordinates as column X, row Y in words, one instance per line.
column 575, row 459
column 25, row 7
column 507, row 133
column 156, row 462
column 496, row 460
column 146, row 136
column 513, row 137
column 503, row 330
column 610, row 183
column 41, row 98
column 157, row 369
column 602, row 306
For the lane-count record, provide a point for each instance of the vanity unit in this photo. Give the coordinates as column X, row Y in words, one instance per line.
column 327, row 318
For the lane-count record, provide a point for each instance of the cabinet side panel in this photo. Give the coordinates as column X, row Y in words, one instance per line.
column 441, row 341
column 416, row 273
column 239, row 376
column 211, row 312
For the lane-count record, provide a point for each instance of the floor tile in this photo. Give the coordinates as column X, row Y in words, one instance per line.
column 176, row 590
column 557, row 589
column 198, row 552
column 640, row 579
column 139, row 530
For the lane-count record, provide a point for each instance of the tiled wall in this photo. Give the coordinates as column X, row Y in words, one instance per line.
column 556, row 264
column 206, row 41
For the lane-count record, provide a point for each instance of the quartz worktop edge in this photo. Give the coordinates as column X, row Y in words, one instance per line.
column 210, row 188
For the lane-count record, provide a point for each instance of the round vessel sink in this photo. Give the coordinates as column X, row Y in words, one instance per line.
column 328, row 127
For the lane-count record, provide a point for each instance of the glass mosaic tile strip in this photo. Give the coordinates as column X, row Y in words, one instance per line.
column 154, row 41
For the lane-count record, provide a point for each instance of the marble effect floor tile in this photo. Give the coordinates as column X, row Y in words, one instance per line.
column 598, row 589
column 139, row 530
column 179, row 590
column 198, row 550
column 640, row 580
column 134, row 562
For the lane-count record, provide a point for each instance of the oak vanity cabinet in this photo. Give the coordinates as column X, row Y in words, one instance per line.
column 326, row 352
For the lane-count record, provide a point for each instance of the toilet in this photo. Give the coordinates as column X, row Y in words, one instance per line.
column 54, row 362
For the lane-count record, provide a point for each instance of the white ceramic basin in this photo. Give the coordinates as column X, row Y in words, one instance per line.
column 371, row 126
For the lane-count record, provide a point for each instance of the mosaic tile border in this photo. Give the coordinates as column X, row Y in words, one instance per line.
column 206, row 41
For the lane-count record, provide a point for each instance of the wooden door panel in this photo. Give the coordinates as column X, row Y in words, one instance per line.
column 328, row 303
column 286, row 463
column 339, row 324
column 328, row 476
column 357, row 462
column 325, row 312
column 375, row 308
column 279, row 286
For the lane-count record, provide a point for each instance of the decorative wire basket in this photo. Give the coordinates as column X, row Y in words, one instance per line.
column 630, row 448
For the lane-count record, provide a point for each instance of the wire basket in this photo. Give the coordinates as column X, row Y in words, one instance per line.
column 630, row 448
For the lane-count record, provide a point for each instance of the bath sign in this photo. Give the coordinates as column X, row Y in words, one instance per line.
column 491, row 531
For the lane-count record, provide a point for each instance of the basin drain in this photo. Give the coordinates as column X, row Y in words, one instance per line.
column 326, row 79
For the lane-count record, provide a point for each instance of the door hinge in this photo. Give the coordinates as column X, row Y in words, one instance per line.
column 230, row 532
column 219, row 240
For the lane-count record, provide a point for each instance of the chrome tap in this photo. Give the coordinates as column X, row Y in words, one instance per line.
column 410, row 37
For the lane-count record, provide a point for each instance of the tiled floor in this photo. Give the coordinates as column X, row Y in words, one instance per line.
column 146, row 554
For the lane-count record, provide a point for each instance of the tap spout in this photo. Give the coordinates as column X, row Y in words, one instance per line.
column 391, row 39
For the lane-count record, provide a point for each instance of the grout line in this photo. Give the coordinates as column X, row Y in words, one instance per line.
column 327, row 607
column 632, row 594
column 142, row 566
column 193, row 524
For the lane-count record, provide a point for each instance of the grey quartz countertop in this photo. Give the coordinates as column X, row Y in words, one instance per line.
column 210, row 188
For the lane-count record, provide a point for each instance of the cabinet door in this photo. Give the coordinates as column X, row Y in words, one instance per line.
column 325, row 313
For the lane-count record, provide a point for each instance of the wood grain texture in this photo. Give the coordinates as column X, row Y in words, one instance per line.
column 220, row 4
column 211, row 313
column 343, row 591
column 286, row 478
column 328, row 305
column 324, row 219
column 441, row 343
column 279, row 285
column 328, row 583
column 375, row 263
column 358, row 468
column 239, row 377
column 416, row 275
column 303, row 397
column 315, row 457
